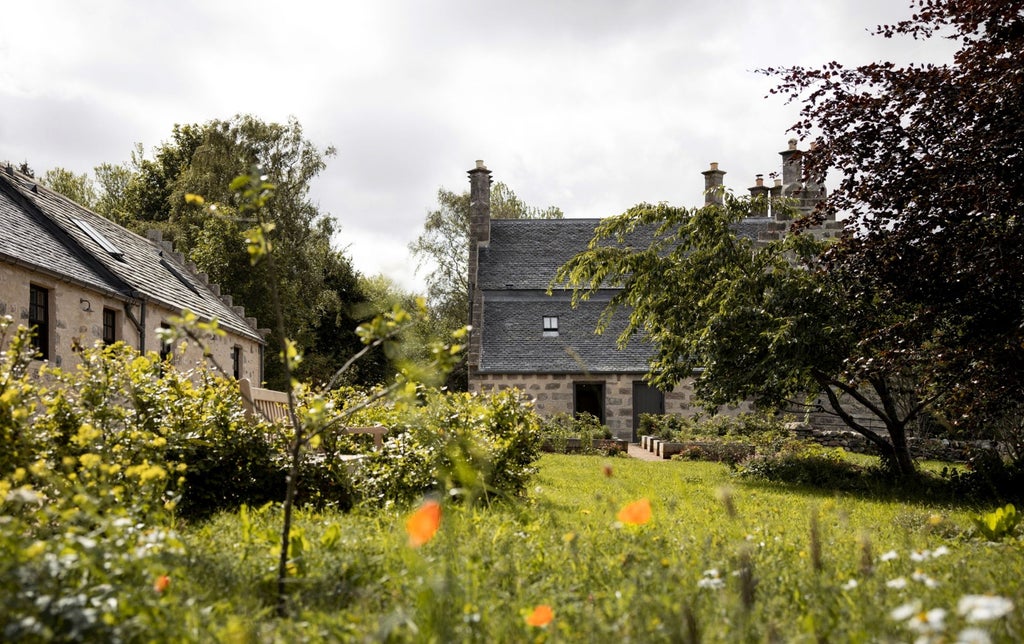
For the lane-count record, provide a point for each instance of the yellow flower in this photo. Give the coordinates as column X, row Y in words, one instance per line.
column 89, row 460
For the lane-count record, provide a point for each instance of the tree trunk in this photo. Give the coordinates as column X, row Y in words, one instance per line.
column 894, row 451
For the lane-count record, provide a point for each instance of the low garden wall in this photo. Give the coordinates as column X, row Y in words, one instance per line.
column 938, row 449
column 922, row 448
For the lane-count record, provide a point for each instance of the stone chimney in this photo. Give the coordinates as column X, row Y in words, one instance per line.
column 759, row 195
column 792, row 165
column 479, row 237
column 480, row 203
column 713, row 183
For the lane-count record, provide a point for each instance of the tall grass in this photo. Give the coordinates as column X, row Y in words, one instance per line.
column 719, row 560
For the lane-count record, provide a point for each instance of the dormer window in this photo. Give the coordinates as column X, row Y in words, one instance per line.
column 550, row 326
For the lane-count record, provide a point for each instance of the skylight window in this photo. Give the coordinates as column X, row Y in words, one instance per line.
column 98, row 237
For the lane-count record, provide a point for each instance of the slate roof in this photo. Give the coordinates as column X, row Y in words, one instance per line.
column 514, row 272
column 47, row 232
column 513, row 339
column 526, row 253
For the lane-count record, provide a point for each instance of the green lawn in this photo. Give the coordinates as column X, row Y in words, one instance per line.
column 719, row 560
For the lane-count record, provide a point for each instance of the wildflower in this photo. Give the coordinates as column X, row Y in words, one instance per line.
column 983, row 608
column 541, row 616
column 927, row 622
column 920, row 621
column 924, row 579
column 850, row 585
column 921, row 555
column 711, row 583
column 422, row 524
column 899, row 582
column 711, row 580
column 889, row 556
column 161, row 583
column 973, row 636
column 635, row 513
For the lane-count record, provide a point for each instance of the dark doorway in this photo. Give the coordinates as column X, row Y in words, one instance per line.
column 646, row 400
column 588, row 397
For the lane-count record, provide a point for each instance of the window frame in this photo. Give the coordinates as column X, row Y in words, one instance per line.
column 550, row 326
column 39, row 303
column 109, row 324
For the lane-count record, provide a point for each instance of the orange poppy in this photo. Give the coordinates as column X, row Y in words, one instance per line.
column 541, row 616
column 162, row 583
column 635, row 513
column 422, row 524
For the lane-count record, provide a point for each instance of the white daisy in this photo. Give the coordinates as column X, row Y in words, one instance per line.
column 983, row 608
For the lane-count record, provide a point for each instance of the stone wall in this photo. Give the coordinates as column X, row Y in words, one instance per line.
column 76, row 318
column 553, row 394
column 938, row 449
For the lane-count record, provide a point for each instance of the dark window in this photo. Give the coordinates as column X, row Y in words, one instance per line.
column 550, row 325
column 236, row 362
column 109, row 326
column 588, row 398
column 165, row 347
column 39, row 318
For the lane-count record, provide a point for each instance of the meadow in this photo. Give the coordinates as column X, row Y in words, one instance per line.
column 717, row 559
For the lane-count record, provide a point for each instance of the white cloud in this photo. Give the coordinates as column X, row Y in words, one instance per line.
column 591, row 107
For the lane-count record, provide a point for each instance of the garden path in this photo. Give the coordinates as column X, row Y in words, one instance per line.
column 635, row 451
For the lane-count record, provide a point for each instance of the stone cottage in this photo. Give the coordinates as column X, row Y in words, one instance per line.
column 78, row 278
column 522, row 337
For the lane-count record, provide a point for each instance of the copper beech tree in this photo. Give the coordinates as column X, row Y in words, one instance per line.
column 931, row 160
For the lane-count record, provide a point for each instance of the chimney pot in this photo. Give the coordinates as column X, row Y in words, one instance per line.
column 480, row 164
column 778, row 183
column 714, row 165
column 759, row 180
column 792, row 144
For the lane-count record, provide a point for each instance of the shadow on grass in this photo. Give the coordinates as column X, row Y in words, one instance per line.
column 985, row 483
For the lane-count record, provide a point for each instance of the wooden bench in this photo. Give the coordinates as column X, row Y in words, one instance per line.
column 272, row 405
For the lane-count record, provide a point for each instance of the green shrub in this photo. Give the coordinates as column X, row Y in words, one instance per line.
column 998, row 524
column 755, row 427
column 557, row 430
column 452, row 443
column 805, row 463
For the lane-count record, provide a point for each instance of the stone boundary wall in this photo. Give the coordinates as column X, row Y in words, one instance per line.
column 939, row 449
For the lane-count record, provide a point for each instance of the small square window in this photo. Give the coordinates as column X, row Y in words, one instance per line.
column 550, row 326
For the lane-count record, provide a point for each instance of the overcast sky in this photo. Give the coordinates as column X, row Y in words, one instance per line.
column 588, row 105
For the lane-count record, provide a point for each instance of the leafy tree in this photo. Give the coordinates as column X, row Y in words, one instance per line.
column 77, row 187
column 747, row 319
column 930, row 158
column 112, row 183
column 319, row 289
column 443, row 249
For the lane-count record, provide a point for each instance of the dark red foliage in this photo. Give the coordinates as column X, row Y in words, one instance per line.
column 931, row 160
